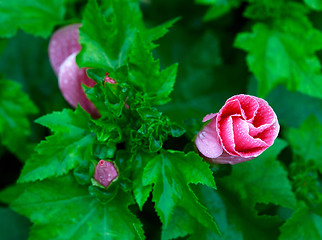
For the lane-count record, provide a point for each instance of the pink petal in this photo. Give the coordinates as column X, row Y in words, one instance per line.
column 245, row 145
column 63, row 43
column 270, row 134
column 70, row 79
column 232, row 107
column 226, row 158
column 105, row 173
column 226, row 134
column 264, row 115
column 248, row 103
column 209, row 116
column 207, row 141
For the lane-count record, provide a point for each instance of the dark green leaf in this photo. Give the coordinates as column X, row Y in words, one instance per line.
column 304, row 224
column 15, row 106
column 263, row 179
column 37, row 17
column 306, row 141
column 236, row 219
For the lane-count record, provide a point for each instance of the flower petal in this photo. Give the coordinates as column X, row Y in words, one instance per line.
column 207, row 141
column 246, row 145
column 63, row 43
column 249, row 105
column 70, row 79
column 226, row 134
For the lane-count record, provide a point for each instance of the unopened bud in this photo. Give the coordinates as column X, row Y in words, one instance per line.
column 105, row 173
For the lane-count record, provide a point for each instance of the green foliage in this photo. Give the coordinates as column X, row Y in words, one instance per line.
column 171, row 173
column 283, row 52
column 68, row 147
column 15, row 106
column 306, row 141
column 82, row 215
column 304, row 224
column 263, row 180
column 150, row 116
column 37, row 17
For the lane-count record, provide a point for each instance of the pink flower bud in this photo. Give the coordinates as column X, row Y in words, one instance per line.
column 63, row 48
column 243, row 128
column 105, row 173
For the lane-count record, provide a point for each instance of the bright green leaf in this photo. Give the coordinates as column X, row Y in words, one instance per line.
column 145, row 73
column 284, row 53
column 15, row 106
column 69, row 146
column 314, row 4
column 263, row 179
column 141, row 192
column 37, row 17
column 171, row 172
column 105, row 44
column 304, row 224
column 81, row 216
column 306, row 141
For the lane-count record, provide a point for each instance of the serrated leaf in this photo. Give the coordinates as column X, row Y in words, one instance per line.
column 306, row 141
column 81, row 216
column 263, row 179
column 105, row 44
column 284, row 53
column 304, row 224
column 141, row 192
column 58, row 154
column 171, row 172
column 37, row 17
column 15, row 106
column 236, row 219
column 145, row 73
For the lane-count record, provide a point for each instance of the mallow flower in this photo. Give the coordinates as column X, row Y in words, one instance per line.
column 105, row 173
column 62, row 50
column 242, row 129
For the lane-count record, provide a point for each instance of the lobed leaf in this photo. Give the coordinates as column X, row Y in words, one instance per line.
column 81, row 216
column 70, row 145
column 171, row 172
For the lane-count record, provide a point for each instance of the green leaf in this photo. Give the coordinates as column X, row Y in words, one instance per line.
column 37, row 17
column 81, row 216
column 15, row 106
column 263, row 179
column 105, row 44
column 218, row 7
column 284, row 53
column 12, row 225
column 68, row 147
column 306, row 141
column 171, row 172
column 314, row 4
column 236, row 219
column 140, row 191
column 145, row 73
column 304, row 224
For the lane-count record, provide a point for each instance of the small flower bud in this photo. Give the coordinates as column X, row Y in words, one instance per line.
column 105, row 173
